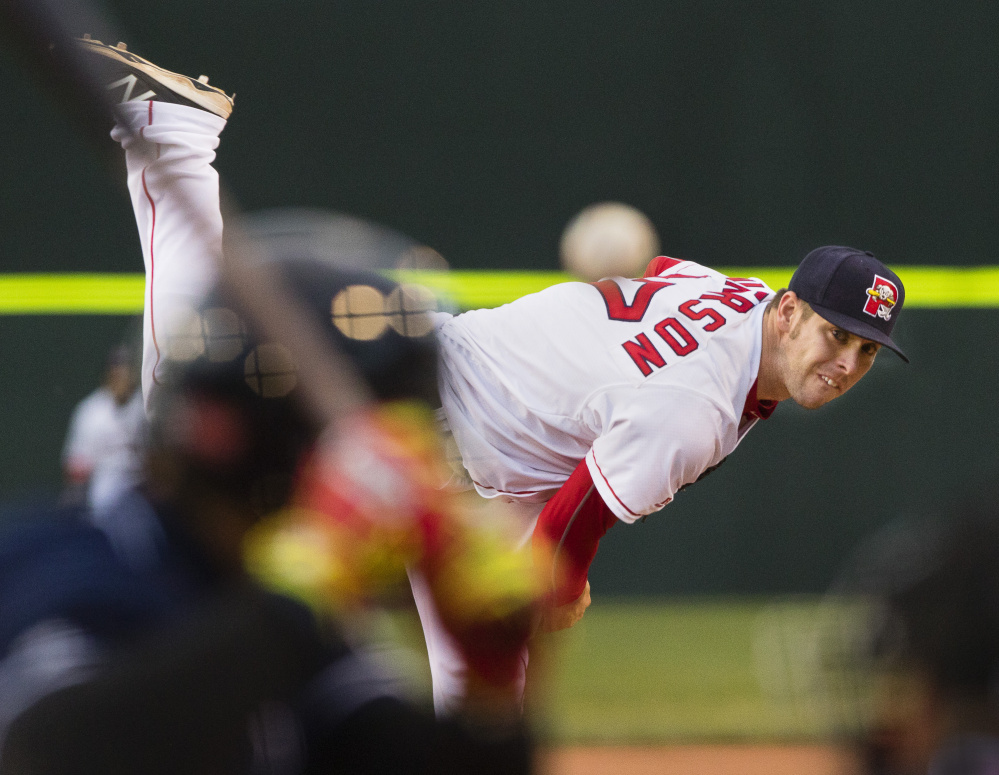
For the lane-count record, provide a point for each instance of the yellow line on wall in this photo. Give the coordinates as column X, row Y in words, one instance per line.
column 71, row 294
column 927, row 287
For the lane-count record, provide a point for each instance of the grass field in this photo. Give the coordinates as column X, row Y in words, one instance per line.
column 660, row 672
column 653, row 672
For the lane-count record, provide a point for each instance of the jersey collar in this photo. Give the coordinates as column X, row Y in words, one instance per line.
column 755, row 409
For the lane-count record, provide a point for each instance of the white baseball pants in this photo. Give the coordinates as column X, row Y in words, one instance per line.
column 175, row 197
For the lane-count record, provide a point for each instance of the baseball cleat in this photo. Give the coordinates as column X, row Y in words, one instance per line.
column 129, row 77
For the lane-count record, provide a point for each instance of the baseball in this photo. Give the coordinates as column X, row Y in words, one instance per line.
column 610, row 239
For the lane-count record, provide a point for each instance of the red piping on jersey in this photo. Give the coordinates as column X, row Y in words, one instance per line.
column 609, row 487
column 152, row 261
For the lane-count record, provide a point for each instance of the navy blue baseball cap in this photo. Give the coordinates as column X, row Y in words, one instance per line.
column 853, row 290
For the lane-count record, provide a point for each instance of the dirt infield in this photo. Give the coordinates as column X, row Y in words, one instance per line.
column 696, row 760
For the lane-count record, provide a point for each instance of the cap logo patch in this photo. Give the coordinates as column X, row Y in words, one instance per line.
column 881, row 298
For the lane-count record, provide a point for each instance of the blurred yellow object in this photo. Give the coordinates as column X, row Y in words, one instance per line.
column 292, row 557
column 481, row 574
column 330, row 568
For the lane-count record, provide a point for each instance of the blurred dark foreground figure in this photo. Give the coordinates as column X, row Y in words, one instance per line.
column 163, row 655
column 927, row 657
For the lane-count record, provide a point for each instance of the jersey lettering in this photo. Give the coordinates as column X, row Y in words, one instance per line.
column 641, row 349
column 745, row 283
column 666, row 329
column 748, row 284
column 729, row 296
column 717, row 319
column 643, row 353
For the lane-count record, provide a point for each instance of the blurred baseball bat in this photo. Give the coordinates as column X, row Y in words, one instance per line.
column 42, row 33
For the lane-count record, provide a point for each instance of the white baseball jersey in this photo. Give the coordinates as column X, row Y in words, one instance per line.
column 646, row 379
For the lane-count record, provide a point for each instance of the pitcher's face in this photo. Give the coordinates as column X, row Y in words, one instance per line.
column 820, row 361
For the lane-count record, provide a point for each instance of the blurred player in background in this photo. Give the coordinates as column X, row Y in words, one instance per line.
column 102, row 454
column 587, row 403
column 919, row 669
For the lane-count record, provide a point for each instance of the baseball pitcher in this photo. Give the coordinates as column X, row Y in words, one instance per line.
column 580, row 406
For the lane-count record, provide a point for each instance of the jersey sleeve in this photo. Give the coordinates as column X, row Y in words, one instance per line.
column 660, row 264
column 568, row 531
column 655, row 440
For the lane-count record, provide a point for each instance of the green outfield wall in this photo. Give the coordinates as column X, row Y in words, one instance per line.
column 748, row 132
column 779, row 516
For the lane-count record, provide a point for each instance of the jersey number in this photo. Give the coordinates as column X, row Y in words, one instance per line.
column 619, row 309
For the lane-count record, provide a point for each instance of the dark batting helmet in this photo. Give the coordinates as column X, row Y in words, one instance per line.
column 229, row 407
